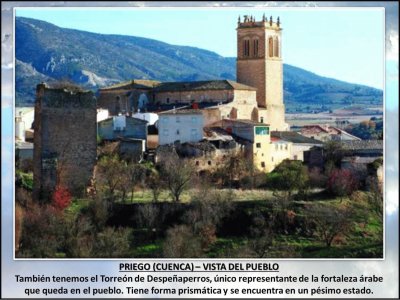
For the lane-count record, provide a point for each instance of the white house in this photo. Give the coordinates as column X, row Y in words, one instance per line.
column 151, row 118
column 24, row 117
column 184, row 125
column 102, row 114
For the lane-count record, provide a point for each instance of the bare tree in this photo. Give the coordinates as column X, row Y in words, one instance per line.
column 177, row 174
column 149, row 216
column 329, row 221
column 233, row 168
column 262, row 236
column 110, row 174
column 155, row 184
column 112, row 242
column 208, row 208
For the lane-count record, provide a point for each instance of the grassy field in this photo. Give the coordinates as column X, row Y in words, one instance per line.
column 145, row 195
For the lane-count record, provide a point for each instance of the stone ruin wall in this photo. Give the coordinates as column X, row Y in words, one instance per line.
column 64, row 141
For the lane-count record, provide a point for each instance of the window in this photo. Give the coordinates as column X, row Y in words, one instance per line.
column 165, row 132
column 286, row 147
column 262, row 130
column 255, row 48
column 276, row 146
column 178, row 119
column 263, row 164
column 276, row 47
column 209, row 162
column 177, row 132
column 167, row 100
column 281, row 147
column 270, row 47
column 262, row 120
column 258, row 145
column 272, row 158
column 246, row 48
column 197, row 163
column 193, row 132
column 193, row 119
column 295, row 157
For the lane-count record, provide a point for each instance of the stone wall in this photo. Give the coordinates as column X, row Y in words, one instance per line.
column 211, row 115
column 193, row 96
column 122, row 100
column 64, row 141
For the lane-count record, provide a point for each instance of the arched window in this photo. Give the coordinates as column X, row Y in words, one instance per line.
column 276, row 47
column 270, row 47
column 246, row 48
column 255, row 48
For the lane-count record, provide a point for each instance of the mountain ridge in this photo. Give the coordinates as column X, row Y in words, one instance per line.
column 95, row 60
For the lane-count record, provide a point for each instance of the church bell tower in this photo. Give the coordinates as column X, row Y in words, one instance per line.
column 259, row 64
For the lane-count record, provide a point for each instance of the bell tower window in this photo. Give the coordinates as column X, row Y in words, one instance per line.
column 255, row 48
column 246, row 48
column 270, row 47
column 276, row 47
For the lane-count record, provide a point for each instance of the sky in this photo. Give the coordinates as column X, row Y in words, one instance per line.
column 346, row 44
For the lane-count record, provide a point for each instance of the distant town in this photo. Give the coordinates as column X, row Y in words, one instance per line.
column 145, row 168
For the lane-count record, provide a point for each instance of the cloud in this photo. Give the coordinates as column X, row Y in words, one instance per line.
column 6, row 86
column 391, row 162
column 392, row 46
column 392, row 201
column 7, row 66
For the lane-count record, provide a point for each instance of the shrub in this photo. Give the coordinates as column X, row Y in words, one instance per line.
column 61, row 198
column 19, row 216
column 43, row 232
column 317, row 178
column 181, row 243
column 342, row 182
column 23, row 197
column 24, row 180
column 111, row 243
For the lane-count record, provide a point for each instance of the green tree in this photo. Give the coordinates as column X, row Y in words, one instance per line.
column 289, row 176
column 333, row 154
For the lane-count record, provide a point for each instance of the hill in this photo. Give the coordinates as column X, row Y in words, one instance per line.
column 45, row 52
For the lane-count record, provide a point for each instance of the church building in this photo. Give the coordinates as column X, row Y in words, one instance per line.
column 257, row 95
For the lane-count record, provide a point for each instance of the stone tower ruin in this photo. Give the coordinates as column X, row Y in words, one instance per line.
column 259, row 64
column 64, row 141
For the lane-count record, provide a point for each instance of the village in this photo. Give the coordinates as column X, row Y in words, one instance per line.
column 223, row 173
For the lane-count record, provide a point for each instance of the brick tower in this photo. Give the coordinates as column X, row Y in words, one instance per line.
column 259, row 64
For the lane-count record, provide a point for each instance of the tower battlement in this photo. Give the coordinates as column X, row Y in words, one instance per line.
column 250, row 22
